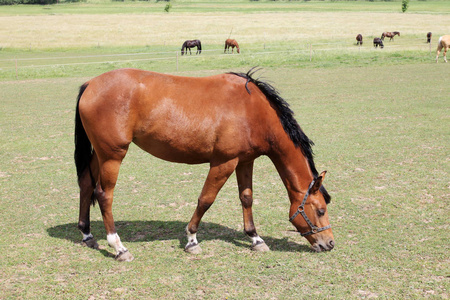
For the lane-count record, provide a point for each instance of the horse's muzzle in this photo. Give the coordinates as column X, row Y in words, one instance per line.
column 323, row 246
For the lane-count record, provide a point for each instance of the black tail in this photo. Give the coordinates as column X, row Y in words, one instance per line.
column 83, row 147
column 199, row 47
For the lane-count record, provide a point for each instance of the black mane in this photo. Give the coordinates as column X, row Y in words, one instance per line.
column 286, row 116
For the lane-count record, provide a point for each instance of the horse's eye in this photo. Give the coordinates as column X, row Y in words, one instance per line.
column 320, row 212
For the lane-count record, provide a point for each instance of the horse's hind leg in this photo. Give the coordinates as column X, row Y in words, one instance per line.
column 217, row 176
column 244, row 174
column 87, row 183
column 109, row 171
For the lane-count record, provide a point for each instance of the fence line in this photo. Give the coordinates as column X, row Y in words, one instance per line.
column 174, row 55
column 85, row 56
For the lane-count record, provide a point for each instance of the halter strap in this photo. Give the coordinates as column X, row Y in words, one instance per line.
column 301, row 211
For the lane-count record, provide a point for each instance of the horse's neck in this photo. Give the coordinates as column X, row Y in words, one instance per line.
column 293, row 168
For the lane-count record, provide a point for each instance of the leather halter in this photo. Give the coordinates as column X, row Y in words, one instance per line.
column 300, row 210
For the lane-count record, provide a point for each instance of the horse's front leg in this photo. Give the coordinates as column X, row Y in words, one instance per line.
column 104, row 191
column 244, row 174
column 217, row 176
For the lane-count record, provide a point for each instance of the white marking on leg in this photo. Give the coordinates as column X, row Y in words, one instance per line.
column 87, row 237
column 192, row 238
column 257, row 240
column 114, row 242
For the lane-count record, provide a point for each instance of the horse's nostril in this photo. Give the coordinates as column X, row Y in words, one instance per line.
column 331, row 244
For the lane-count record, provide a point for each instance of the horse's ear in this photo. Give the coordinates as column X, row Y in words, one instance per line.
column 318, row 182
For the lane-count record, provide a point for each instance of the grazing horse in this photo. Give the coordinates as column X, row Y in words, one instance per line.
column 429, row 34
column 230, row 43
column 215, row 120
column 443, row 43
column 191, row 44
column 389, row 35
column 378, row 42
column 359, row 39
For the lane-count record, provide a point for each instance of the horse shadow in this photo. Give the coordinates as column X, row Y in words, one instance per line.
column 149, row 231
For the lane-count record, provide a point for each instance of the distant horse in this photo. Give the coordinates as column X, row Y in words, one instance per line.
column 191, row 44
column 378, row 42
column 444, row 43
column 389, row 35
column 359, row 39
column 429, row 34
column 230, row 43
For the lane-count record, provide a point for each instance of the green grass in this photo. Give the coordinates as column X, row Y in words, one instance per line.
column 239, row 6
column 57, row 63
column 380, row 131
column 379, row 120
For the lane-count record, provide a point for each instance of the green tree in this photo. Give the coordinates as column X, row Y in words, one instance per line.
column 168, row 7
column 405, row 4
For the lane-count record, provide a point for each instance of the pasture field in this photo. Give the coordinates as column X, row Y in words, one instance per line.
column 90, row 41
column 381, row 132
column 379, row 119
column 92, row 27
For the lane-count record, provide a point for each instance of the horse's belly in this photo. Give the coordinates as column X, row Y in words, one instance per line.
column 175, row 149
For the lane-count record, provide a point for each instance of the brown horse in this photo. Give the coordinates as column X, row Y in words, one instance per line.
column 378, row 42
column 230, row 43
column 187, row 45
column 359, row 39
column 389, row 35
column 444, row 43
column 225, row 120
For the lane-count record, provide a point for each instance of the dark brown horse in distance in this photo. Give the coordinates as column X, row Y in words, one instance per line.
column 378, row 42
column 390, row 35
column 359, row 39
column 191, row 44
column 429, row 34
column 230, row 43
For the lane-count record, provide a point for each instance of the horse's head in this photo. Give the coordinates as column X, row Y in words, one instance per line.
column 310, row 217
column 381, row 45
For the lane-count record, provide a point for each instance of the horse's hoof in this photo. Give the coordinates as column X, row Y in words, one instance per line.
column 91, row 243
column 124, row 256
column 193, row 249
column 260, row 247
